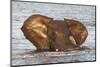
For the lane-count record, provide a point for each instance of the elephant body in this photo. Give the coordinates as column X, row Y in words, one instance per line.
column 53, row 35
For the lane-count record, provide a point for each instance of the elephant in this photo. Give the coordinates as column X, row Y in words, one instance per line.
column 47, row 34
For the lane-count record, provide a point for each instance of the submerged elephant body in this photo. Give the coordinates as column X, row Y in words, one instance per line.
column 53, row 35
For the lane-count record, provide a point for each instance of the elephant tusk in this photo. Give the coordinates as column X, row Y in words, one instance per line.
column 57, row 50
column 72, row 40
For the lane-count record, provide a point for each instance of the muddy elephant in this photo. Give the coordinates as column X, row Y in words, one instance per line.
column 54, row 35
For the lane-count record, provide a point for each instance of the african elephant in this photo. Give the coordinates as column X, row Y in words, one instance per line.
column 53, row 35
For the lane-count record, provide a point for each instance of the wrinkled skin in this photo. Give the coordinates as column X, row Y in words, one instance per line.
column 53, row 35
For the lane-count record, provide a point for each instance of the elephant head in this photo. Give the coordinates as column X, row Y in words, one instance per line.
column 58, row 35
column 48, row 34
column 77, row 30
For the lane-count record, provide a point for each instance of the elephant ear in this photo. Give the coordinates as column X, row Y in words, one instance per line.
column 35, row 30
column 77, row 30
column 36, row 22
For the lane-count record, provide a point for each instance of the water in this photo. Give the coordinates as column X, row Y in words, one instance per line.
column 23, row 51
